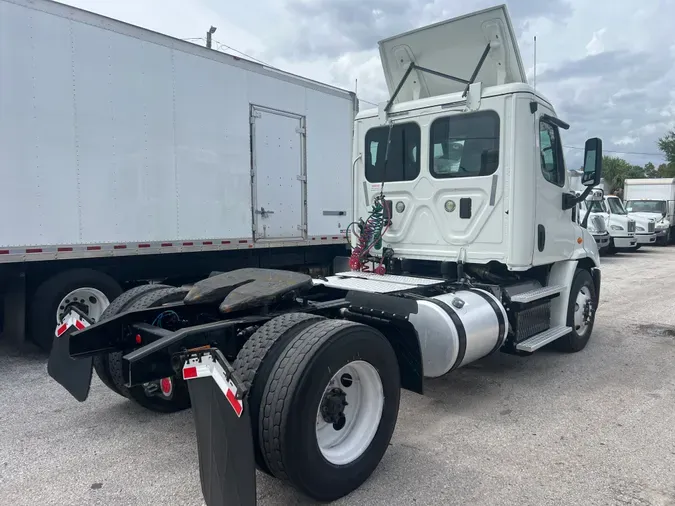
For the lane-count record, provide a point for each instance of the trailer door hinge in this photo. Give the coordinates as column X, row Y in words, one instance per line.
column 301, row 130
column 302, row 228
column 302, row 177
column 254, row 115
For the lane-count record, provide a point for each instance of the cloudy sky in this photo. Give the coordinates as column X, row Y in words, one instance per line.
column 607, row 65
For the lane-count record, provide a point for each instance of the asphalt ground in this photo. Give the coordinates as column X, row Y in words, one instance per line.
column 592, row 428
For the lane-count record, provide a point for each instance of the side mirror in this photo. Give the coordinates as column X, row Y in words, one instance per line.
column 596, row 195
column 592, row 162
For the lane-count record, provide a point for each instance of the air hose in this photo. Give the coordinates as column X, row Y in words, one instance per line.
column 370, row 233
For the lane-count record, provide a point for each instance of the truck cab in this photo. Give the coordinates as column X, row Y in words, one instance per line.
column 639, row 229
column 595, row 223
column 475, row 171
column 621, row 228
column 652, row 210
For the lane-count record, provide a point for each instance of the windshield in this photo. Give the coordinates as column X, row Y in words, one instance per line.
column 596, row 206
column 615, row 206
column 646, row 206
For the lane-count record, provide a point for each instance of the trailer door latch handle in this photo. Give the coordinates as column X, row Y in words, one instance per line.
column 262, row 212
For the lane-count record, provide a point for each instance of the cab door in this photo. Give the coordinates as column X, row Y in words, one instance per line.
column 553, row 230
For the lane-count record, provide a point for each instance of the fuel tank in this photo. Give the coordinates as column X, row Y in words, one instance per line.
column 458, row 328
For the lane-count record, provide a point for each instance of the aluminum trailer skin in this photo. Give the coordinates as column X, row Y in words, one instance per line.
column 127, row 155
column 467, row 245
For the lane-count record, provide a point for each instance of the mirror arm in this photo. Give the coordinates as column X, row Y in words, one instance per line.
column 584, row 222
column 569, row 200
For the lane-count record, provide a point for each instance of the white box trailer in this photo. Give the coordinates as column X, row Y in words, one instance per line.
column 655, row 199
column 119, row 144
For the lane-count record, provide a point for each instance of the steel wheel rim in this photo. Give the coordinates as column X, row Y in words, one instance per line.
column 365, row 402
column 583, row 300
column 95, row 301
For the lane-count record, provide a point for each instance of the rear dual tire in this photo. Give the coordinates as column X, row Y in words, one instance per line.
column 308, row 449
column 110, row 368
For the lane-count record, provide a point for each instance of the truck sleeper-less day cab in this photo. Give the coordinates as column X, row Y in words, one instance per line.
column 467, row 245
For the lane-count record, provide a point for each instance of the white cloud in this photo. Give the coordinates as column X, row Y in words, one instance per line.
column 595, row 46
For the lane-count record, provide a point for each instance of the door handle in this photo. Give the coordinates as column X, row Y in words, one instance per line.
column 262, row 212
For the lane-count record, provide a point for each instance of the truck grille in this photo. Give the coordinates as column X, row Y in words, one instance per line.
column 651, row 226
column 631, row 226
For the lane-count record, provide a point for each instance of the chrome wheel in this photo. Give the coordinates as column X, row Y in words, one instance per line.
column 583, row 311
column 349, row 413
column 89, row 300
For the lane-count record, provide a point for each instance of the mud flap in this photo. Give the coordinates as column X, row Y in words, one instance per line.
column 72, row 374
column 227, row 467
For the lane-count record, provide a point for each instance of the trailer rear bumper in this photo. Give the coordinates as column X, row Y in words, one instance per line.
column 227, row 469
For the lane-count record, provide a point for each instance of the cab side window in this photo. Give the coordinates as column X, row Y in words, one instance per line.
column 550, row 149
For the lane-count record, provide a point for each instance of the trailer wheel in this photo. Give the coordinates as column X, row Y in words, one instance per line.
column 330, row 408
column 88, row 289
column 256, row 359
column 581, row 308
column 117, row 306
column 170, row 394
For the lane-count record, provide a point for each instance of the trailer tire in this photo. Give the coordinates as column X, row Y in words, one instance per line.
column 583, row 289
column 180, row 397
column 48, row 296
column 256, row 360
column 117, row 306
column 303, row 385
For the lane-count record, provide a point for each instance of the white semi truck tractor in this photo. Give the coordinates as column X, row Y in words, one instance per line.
column 466, row 246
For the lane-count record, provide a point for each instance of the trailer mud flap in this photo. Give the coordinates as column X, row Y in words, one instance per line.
column 227, row 467
column 72, row 374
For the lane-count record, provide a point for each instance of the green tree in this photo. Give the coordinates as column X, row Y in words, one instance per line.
column 650, row 171
column 667, row 145
column 616, row 170
column 666, row 170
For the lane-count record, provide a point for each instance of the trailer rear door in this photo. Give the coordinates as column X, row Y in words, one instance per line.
column 278, row 174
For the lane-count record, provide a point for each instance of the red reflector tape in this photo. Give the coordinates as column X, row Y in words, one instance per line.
column 188, row 244
column 234, row 402
column 61, row 329
column 64, row 249
column 4, row 252
column 120, row 246
column 189, row 372
column 34, row 250
column 93, row 248
column 167, row 244
column 143, row 245
column 207, row 243
column 79, row 324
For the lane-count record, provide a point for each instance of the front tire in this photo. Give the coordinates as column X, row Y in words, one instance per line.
column 303, row 383
column 581, row 309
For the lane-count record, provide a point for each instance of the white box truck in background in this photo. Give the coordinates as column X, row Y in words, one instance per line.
column 653, row 198
column 128, row 155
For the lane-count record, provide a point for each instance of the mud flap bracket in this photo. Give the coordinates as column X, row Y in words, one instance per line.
column 227, row 467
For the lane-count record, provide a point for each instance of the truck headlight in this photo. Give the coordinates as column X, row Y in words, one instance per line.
column 616, row 227
column 640, row 229
column 664, row 223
